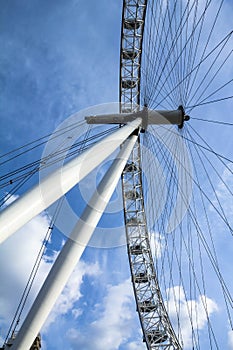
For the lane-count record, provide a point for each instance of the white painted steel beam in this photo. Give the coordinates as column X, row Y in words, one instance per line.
column 59, row 182
column 72, row 251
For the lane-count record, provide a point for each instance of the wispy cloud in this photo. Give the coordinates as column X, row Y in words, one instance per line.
column 71, row 294
column 114, row 325
column 230, row 339
column 17, row 257
column 193, row 314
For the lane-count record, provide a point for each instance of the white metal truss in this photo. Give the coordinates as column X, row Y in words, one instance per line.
column 157, row 330
column 131, row 47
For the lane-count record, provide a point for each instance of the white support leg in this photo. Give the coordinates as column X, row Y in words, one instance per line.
column 56, row 184
column 72, row 251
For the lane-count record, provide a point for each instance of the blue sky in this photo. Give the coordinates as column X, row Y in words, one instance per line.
column 59, row 57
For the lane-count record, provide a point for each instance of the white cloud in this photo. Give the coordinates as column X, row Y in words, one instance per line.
column 157, row 243
column 224, row 196
column 189, row 310
column 136, row 345
column 17, row 257
column 71, row 293
column 230, row 339
column 115, row 323
column 77, row 312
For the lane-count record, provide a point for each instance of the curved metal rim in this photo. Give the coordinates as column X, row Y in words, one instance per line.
column 155, row 323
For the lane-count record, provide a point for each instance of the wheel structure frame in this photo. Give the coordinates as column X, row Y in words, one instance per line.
column 157, row 329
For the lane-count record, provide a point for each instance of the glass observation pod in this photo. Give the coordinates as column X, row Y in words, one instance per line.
column 147, row 306
column 132, row 23
column 141, row 277
column 156, row 336
column 129, row 84
column 129, row 55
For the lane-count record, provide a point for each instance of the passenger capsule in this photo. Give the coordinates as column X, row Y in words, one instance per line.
column 136, row 249
column 132, row 221
column 132, row 195
column 156, row 336
column 132, row 23
column 147, row 306
column 129, row 55
column 141, row 277
column 130, row 167
column 129, row 84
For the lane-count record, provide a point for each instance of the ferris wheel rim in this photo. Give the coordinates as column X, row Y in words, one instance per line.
column 156, row 332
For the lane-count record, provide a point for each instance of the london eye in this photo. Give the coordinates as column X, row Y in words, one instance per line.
column 175, row 97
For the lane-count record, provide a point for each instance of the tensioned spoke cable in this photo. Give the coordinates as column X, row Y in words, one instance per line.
column 52, row 159
column 37, row 167
column 210, row 149
column 205, row 308
column 217, row 90
column 153, row 55
column 163, row 54
column 56, row 134
column 33, row 273
column 209, row 228
column 154, row 72
column 193, row 263
column 213, row 121
column 208, row 250
column 196, row 66
column 6, row 197
column 192, row 52
column 177, row 259
column 25, row 177
column 207, row 148
column 206, row 45
column 203, row 163
column 163, row 92
column 42, row 162
column 181, row 52
column 152, row 38
column 211, row 257
column 213, row 77
column 209, row 199
column 201, row 297
column 156, row 148
column 211, row 184
column 207, row 160
column 169, row 53
column 162, row 229
column 189, row 108
column 148, row 45
column 173, row 22
column 176, row 73
column 169, row 164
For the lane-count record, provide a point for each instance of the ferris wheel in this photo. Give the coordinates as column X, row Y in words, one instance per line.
column 175, row 84
column 172, row 58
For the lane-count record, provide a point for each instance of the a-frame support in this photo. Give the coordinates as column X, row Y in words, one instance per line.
column 72, row 250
